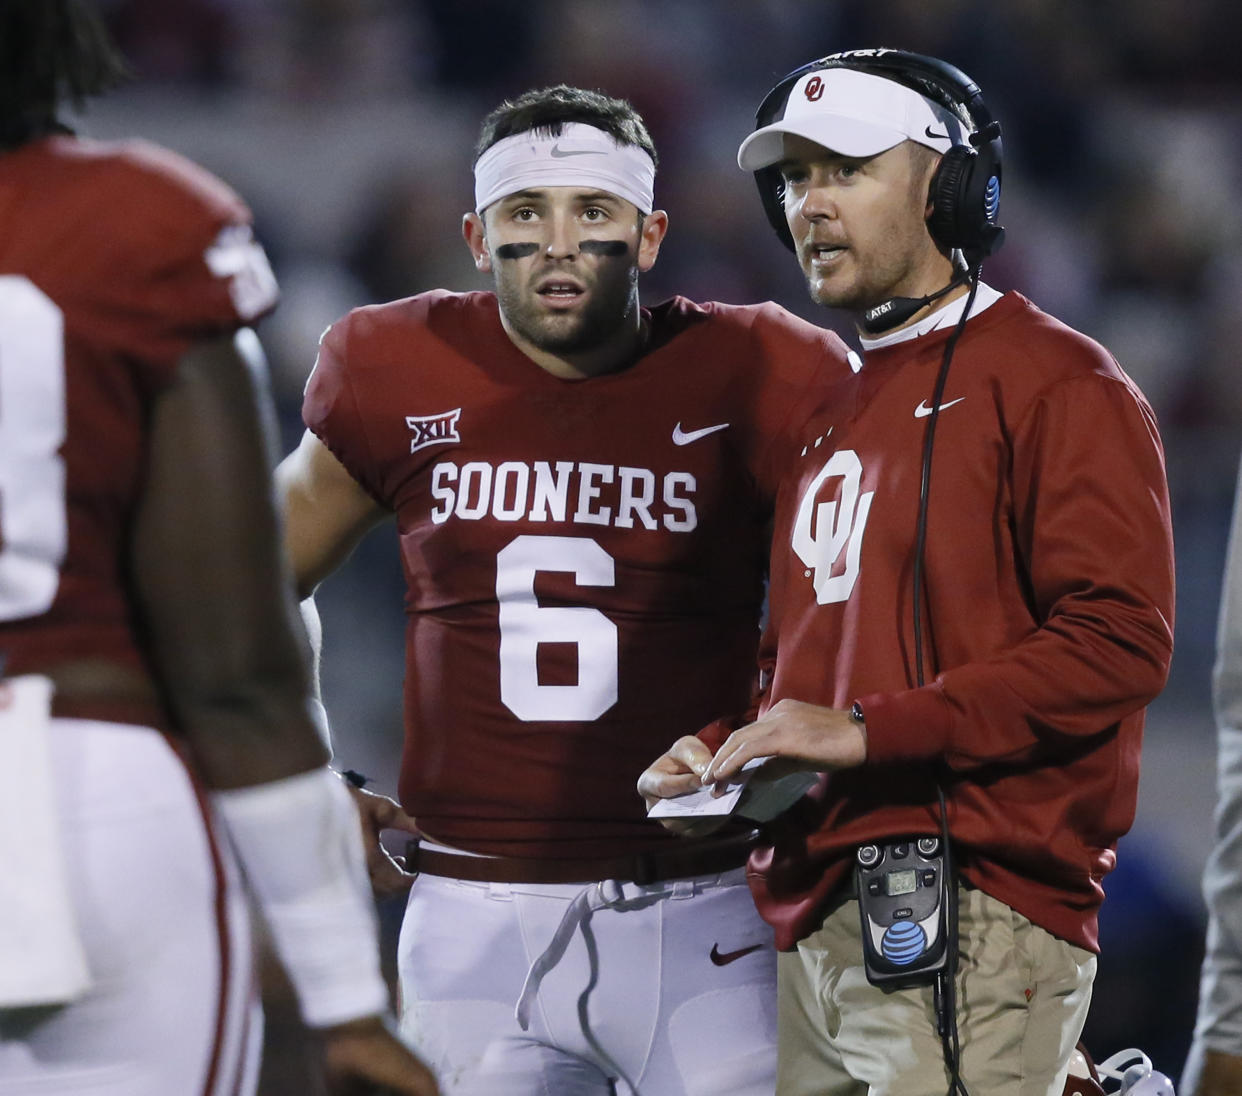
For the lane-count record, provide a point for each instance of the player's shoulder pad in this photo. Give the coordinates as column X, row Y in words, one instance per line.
column 161, row 184
column 165, row 226
column 369, row 335
column 765, row 327
column 761, row 316
column 771, row 323
column 407, row 315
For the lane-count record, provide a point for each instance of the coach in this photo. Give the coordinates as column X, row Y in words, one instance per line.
column 963, row 645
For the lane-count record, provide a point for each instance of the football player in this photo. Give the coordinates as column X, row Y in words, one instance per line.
column 581, row 487
column 155, row 708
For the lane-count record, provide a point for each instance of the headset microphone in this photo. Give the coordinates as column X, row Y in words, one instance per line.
column 895, row 311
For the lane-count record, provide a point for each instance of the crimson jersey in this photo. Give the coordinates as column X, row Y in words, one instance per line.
column 584, row 559
column 114, row 259
column 1047, row 613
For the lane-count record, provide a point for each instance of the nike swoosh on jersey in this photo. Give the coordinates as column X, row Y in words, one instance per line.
column 922, row 411
column 685, row 437
column 559, row 153
column 724, row 958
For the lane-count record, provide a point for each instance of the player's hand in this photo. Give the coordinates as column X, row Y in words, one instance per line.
column 364, row 1058
column 1219, row 1075
column 676, row 773
column 806, row 736
column 377, row 813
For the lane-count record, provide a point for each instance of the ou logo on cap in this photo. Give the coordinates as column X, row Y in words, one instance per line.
column 814, row 89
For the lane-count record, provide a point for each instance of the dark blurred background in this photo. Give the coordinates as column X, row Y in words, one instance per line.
column 348, row 126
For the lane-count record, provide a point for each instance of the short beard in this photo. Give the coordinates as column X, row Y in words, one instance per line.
column 849, row 299
column 821, row 298
column 601, row 322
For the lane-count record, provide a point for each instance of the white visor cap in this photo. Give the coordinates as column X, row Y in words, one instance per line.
column 853, row 114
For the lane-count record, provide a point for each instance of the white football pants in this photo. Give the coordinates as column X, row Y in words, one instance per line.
column 663, row 989
column 173, row 1009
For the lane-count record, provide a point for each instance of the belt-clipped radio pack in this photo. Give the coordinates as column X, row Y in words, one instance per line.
column 903, row 897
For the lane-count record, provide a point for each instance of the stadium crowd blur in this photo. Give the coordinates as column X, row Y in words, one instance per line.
column 348, row 125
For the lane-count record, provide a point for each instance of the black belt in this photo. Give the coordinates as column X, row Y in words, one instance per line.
column 677, row 861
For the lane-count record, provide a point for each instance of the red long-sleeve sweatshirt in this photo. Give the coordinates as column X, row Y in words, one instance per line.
column 1047, row 615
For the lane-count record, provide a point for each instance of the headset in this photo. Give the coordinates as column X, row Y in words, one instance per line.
column 965, row 191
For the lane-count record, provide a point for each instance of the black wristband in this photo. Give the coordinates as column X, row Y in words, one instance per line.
column 356, row 778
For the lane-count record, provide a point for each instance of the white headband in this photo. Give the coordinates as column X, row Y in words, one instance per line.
column 581, row 156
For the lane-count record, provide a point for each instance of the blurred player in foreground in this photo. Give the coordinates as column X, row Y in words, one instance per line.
column 155, row 705
column 582, row 488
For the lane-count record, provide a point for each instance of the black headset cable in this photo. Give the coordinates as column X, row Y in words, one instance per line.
column 945, row 991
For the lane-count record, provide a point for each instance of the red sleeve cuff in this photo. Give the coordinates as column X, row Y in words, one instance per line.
column 909, row 726
column 714, row 734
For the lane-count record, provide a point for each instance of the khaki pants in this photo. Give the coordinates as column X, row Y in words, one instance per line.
column 1022, row 997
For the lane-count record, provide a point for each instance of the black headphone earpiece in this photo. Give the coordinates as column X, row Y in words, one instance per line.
column 965, row 191
column 965, row 197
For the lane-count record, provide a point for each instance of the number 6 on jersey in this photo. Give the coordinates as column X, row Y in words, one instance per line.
column 524, row 624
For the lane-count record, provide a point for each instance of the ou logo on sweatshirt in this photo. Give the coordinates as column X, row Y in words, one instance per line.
column 827, row 536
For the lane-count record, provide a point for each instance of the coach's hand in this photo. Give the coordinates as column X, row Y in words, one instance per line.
column 364, row 1058
column 676, row 773
column 805, row 735
column 377, row 813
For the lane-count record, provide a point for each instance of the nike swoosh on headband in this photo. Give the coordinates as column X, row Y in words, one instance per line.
column 926, row 129
column 559, row 153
